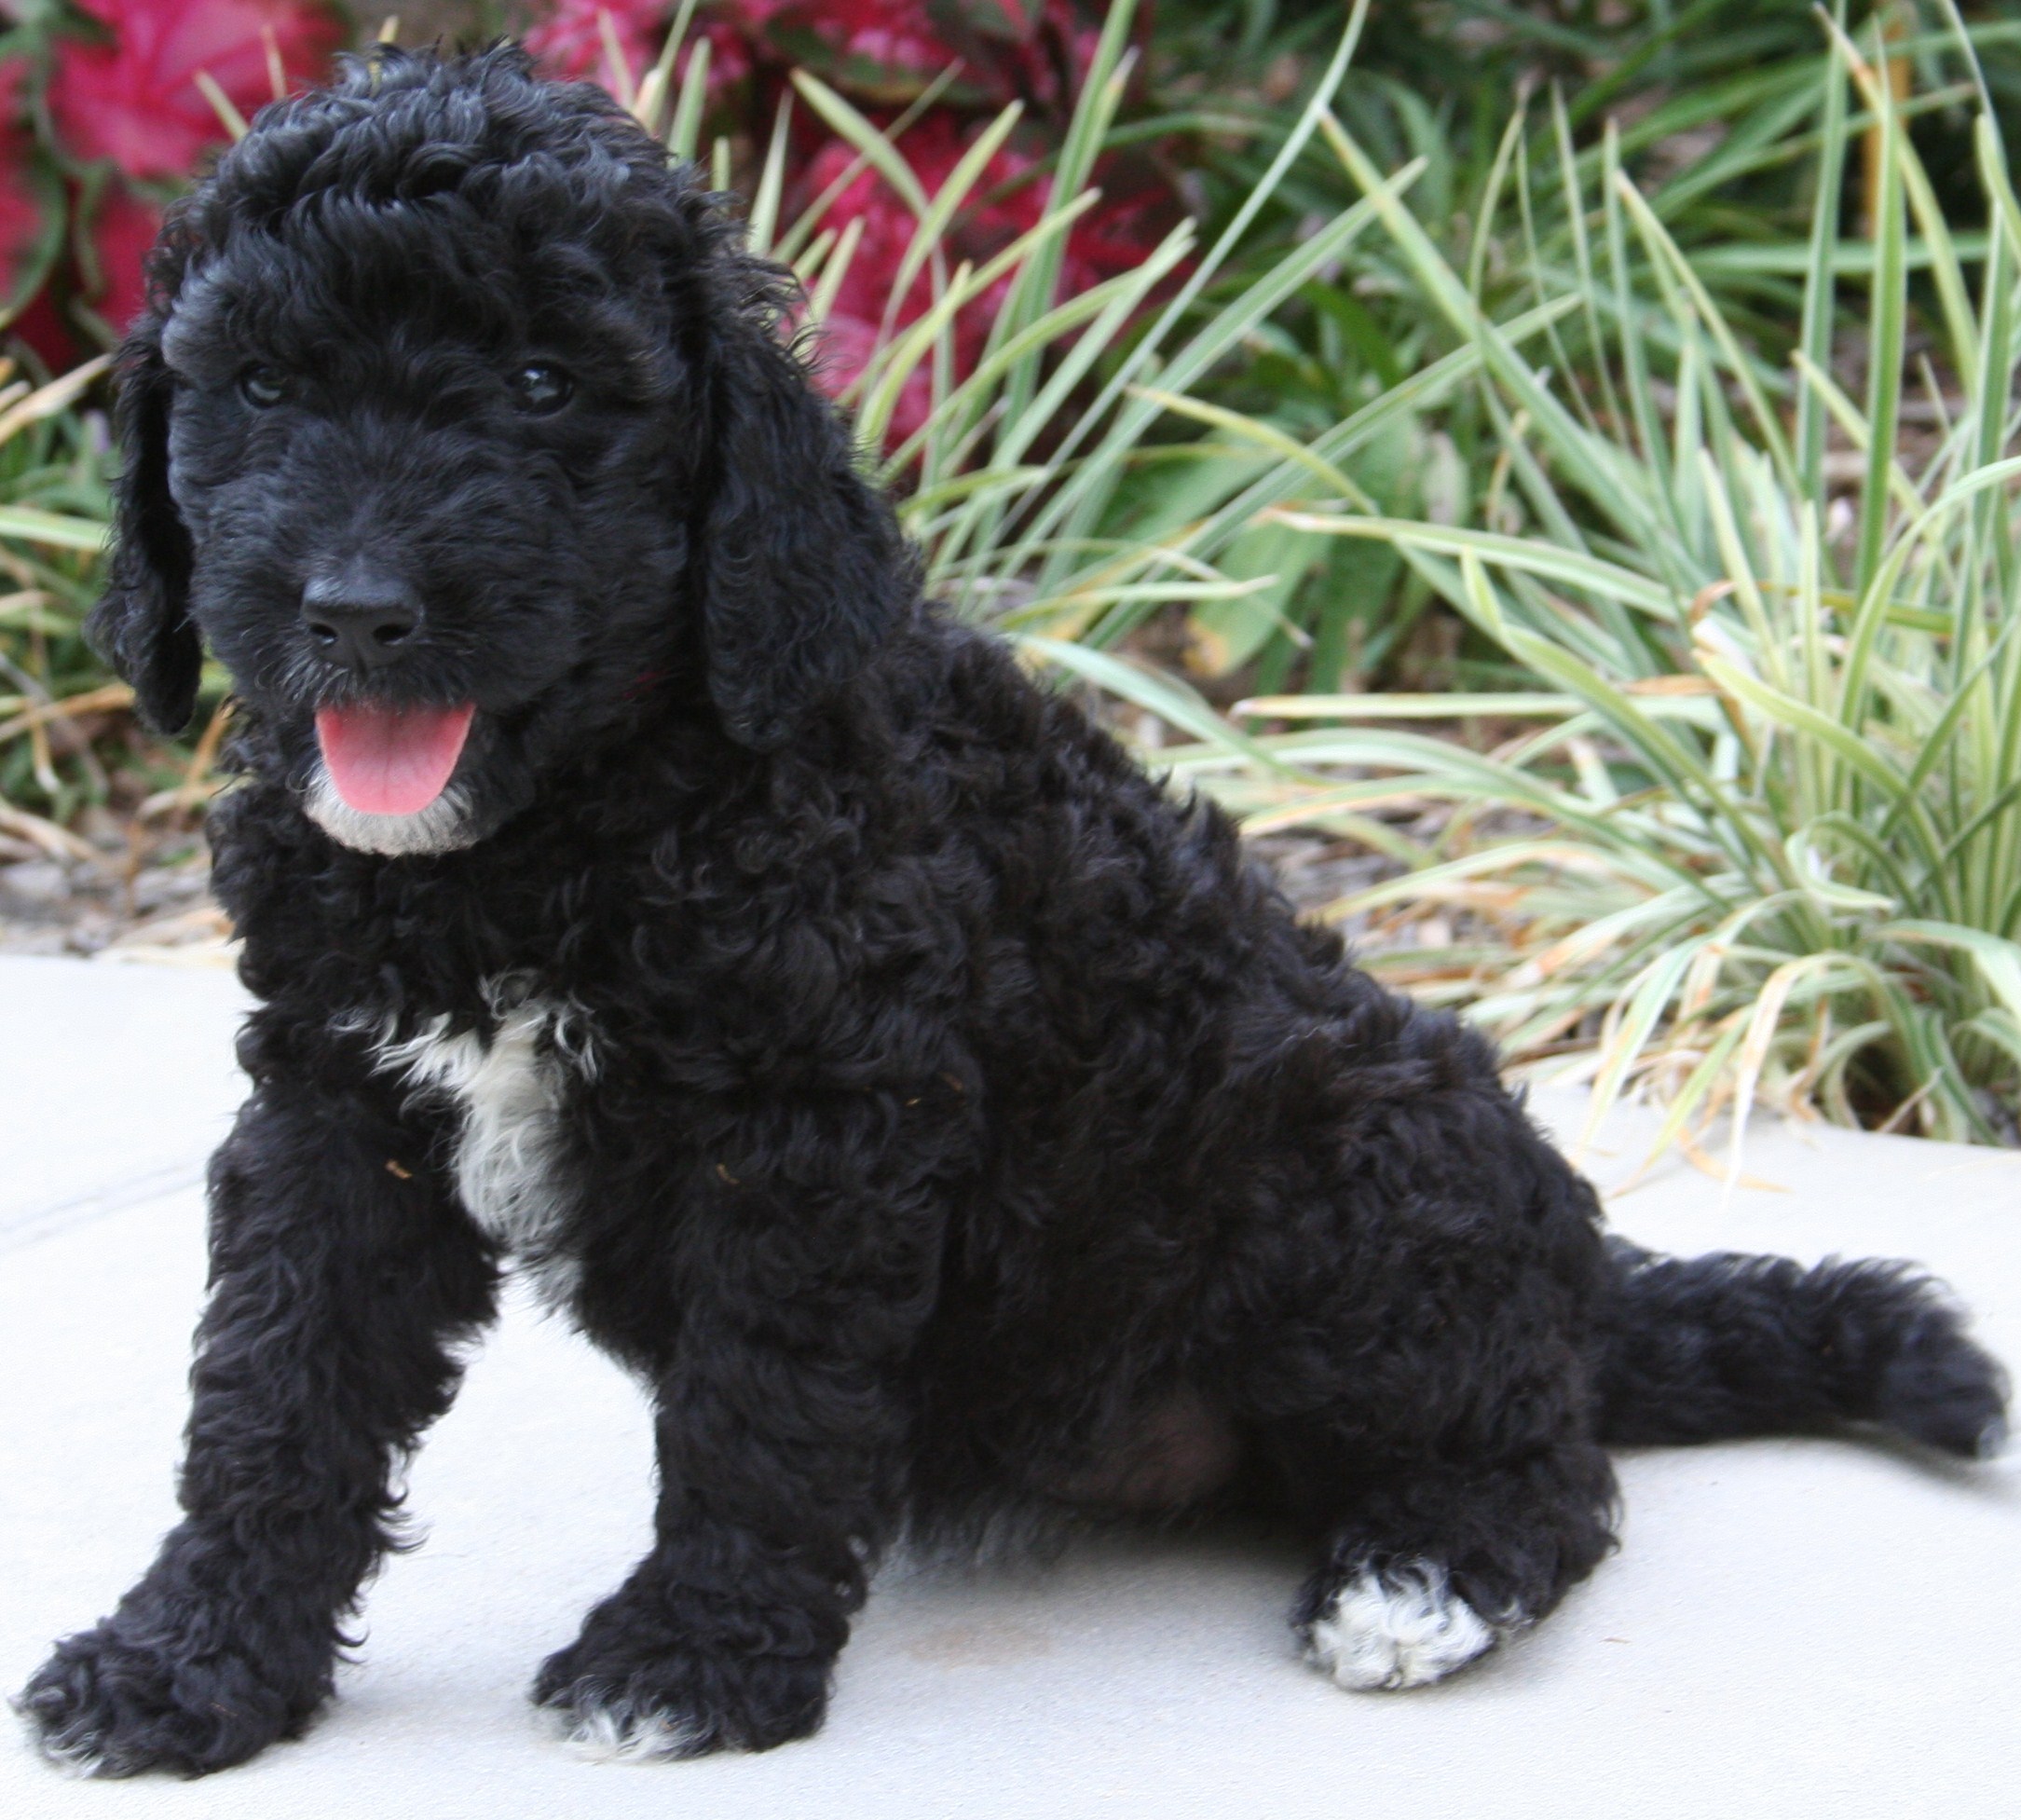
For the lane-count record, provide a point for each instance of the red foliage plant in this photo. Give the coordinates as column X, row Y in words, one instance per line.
column 1005, row 203
column 884, row 53
column 128, row 119
column 23, row 226
column 131, row 97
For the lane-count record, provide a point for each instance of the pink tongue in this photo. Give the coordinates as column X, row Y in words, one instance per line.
column 391, row 761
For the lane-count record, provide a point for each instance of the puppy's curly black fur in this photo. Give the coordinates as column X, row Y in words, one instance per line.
column 940, row 1119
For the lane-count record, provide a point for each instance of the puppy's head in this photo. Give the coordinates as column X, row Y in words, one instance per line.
column 457, row 415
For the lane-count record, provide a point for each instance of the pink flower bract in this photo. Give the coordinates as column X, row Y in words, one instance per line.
column 1111, row 238
column 568, row 38
column 21, row 207
column 134, row 99
column 122, row 230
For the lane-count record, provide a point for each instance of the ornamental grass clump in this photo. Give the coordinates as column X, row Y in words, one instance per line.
column 1008, row 398
column 54, row 694
column 1763, row 843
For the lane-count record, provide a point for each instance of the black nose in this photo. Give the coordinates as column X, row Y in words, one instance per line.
column 364, row 622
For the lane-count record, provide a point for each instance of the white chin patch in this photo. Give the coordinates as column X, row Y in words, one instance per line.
column 1399, row 1627
column 442, row 827
column 617, row 1734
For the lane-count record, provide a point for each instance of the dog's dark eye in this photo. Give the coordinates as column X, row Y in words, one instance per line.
column 540, row 389
column 263, row 387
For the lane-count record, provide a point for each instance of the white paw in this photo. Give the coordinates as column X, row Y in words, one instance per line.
column 1398, row 1627
column 621, row 1734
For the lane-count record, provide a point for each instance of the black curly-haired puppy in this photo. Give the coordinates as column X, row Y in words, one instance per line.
column 643, row 883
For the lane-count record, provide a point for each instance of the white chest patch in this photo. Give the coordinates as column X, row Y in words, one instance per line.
column 509, row 1089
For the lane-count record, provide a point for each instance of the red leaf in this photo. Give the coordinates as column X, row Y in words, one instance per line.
column 134, row 99
column 123, row 228
column 568, row 38
column 24, row 218
column 1114, row 237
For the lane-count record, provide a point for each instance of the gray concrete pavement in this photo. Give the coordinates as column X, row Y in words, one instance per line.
column 1792, row 1628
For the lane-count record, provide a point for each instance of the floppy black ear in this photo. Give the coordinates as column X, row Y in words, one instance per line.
column 140, row 625
column 803, row 569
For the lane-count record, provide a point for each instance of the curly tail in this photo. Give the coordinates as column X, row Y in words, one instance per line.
column 1700, row 1348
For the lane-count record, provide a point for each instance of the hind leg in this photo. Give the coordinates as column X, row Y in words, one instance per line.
column 1417, row 1339
column 1435, row 1564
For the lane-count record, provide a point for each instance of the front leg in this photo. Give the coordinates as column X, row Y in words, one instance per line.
column 780, row 1430
column 341, row 1273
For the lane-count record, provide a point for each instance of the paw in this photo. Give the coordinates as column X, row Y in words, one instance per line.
column 638, row 1702
column 1398, row 1626
column 128, row 1697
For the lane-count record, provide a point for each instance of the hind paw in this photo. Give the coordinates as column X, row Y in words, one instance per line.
column 1399, row 1626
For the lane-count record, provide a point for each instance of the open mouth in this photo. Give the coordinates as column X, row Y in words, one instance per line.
column 392, row 761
